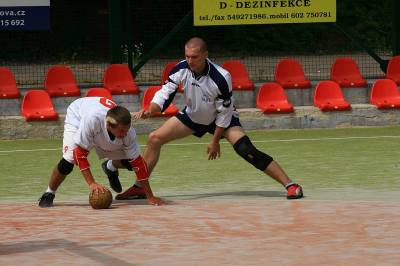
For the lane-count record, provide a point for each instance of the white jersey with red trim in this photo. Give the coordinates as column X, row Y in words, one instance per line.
column 86, row 119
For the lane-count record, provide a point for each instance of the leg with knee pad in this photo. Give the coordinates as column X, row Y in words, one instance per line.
column 247, row 151
column 65, row 167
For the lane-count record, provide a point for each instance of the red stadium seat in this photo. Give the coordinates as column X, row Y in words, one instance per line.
column 328, row 96
column 118, row 79
column 8, row 85
column 99, row 92
column 393, row 69
column 239, row 74
column 271, row 98
column 36, row 105
column 60, row 81
column 167, row 69
column 346, row 73
column 148, row 96
column 290, row 75
column 385, row 94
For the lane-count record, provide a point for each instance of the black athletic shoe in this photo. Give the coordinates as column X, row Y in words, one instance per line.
column 112, row 177
column 46, row 200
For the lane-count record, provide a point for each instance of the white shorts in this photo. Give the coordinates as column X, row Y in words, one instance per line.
column 69, row 143
column 69, row 146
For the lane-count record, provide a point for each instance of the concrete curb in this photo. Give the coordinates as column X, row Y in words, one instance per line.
column 15, row 127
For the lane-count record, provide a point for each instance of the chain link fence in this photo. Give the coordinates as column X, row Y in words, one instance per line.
column 79, row 38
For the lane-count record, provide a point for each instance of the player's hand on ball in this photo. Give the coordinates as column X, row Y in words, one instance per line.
column 97, row 188
column 156, row 201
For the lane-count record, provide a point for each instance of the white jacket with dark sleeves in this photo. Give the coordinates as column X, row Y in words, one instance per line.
column 208, row 97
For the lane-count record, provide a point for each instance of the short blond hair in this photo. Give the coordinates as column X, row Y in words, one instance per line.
column 197, row 42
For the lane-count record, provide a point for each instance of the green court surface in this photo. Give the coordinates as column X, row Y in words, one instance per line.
column 330, row 164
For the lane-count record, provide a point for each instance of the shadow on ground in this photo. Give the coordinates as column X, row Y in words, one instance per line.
column 85, row 250
column 269, row 194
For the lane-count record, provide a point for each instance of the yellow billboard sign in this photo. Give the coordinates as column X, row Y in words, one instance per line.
column 234, row 12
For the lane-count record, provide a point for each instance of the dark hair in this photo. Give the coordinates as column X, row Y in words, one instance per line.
column 118, row 115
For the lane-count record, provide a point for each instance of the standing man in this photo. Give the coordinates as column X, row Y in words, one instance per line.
column 209, row 108
column 98, row 123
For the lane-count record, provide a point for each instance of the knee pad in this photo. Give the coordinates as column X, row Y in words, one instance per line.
column 247, row 151
column 65, row 167
column 127, row 164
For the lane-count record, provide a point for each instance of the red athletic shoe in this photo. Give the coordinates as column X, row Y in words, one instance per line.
column 294, row 191
column 134, row 192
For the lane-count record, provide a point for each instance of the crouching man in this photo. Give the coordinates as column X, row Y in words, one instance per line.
column 98, row 123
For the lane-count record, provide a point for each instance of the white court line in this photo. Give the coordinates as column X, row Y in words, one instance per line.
column 225, row 142
column 286, row 140
column 30, row 150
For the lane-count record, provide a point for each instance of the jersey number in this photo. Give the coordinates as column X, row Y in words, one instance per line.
column 107, row 102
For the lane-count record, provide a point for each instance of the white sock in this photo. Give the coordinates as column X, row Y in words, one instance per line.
column 137, row 184
column 50, row 190
column 110, row 166
column 289, row 184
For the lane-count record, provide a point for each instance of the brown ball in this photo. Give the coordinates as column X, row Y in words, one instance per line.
column 100, row 200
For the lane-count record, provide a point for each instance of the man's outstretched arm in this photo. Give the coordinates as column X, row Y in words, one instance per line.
column 139, row 165
column 80, row 158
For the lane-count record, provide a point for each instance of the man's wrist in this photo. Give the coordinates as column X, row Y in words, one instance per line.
column 215, row 140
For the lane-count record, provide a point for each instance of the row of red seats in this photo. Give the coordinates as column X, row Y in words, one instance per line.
column 344, row 71
column 271, row 98
column 60, row 81
column 328, row 96
column 37, row 104
column 289, row 74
